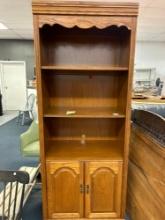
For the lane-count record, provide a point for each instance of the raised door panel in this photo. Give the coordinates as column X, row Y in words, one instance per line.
column 65, row 200
column 103, row 189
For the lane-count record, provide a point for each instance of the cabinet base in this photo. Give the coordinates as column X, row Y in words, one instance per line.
column 87, row 219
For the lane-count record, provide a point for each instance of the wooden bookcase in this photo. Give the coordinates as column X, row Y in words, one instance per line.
column 84, row 64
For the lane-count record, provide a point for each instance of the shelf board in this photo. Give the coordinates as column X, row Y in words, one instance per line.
column 114, row 138
column 84, row 68
column 91, row 150
column 90, row 112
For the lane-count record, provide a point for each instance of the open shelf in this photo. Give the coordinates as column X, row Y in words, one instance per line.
column 98, row 95
column 69, row 68
column 75, row 46
column 91, row 128
column 87, row 112
column 91, row 150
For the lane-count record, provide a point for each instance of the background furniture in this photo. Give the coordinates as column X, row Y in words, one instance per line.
column 144, row 79
column 17, row 186
column 11, row 203
column 146, row 177
column 150, row 100
column 156, row 107
column 30, row 141
column 31, row 90
column 27, row 112
column 84, row 65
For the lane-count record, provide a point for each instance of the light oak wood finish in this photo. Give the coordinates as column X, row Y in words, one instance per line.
column 83, row 112
column 86, row 47
column 70, row 68
column 92, row 219
column 78, row 7
column 103, row 186
column 92, row 128
column 40, row 112
column 128, row 113
column 85, row 22
column 146, row 177
column 65, row 199
column 91, row 150
column 84, row 64
column 85, row 91
column 100, row 183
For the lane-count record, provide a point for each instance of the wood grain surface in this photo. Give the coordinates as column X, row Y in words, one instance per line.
column 84, row 64
column 146, row 179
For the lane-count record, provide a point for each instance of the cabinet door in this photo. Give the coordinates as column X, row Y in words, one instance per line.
column 103, row 182
column 65, row 197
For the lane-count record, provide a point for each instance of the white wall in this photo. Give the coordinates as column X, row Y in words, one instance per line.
column 151, row 54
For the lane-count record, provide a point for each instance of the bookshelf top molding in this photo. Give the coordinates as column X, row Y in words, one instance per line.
column 56, row 7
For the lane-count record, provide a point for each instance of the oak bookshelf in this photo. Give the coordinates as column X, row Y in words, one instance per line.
column 84, row 65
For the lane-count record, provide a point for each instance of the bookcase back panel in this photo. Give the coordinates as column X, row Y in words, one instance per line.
column 63, row 46
column 91, row 129
column 84, row 90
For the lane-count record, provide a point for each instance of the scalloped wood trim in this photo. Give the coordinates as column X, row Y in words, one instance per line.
column 85, row 22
